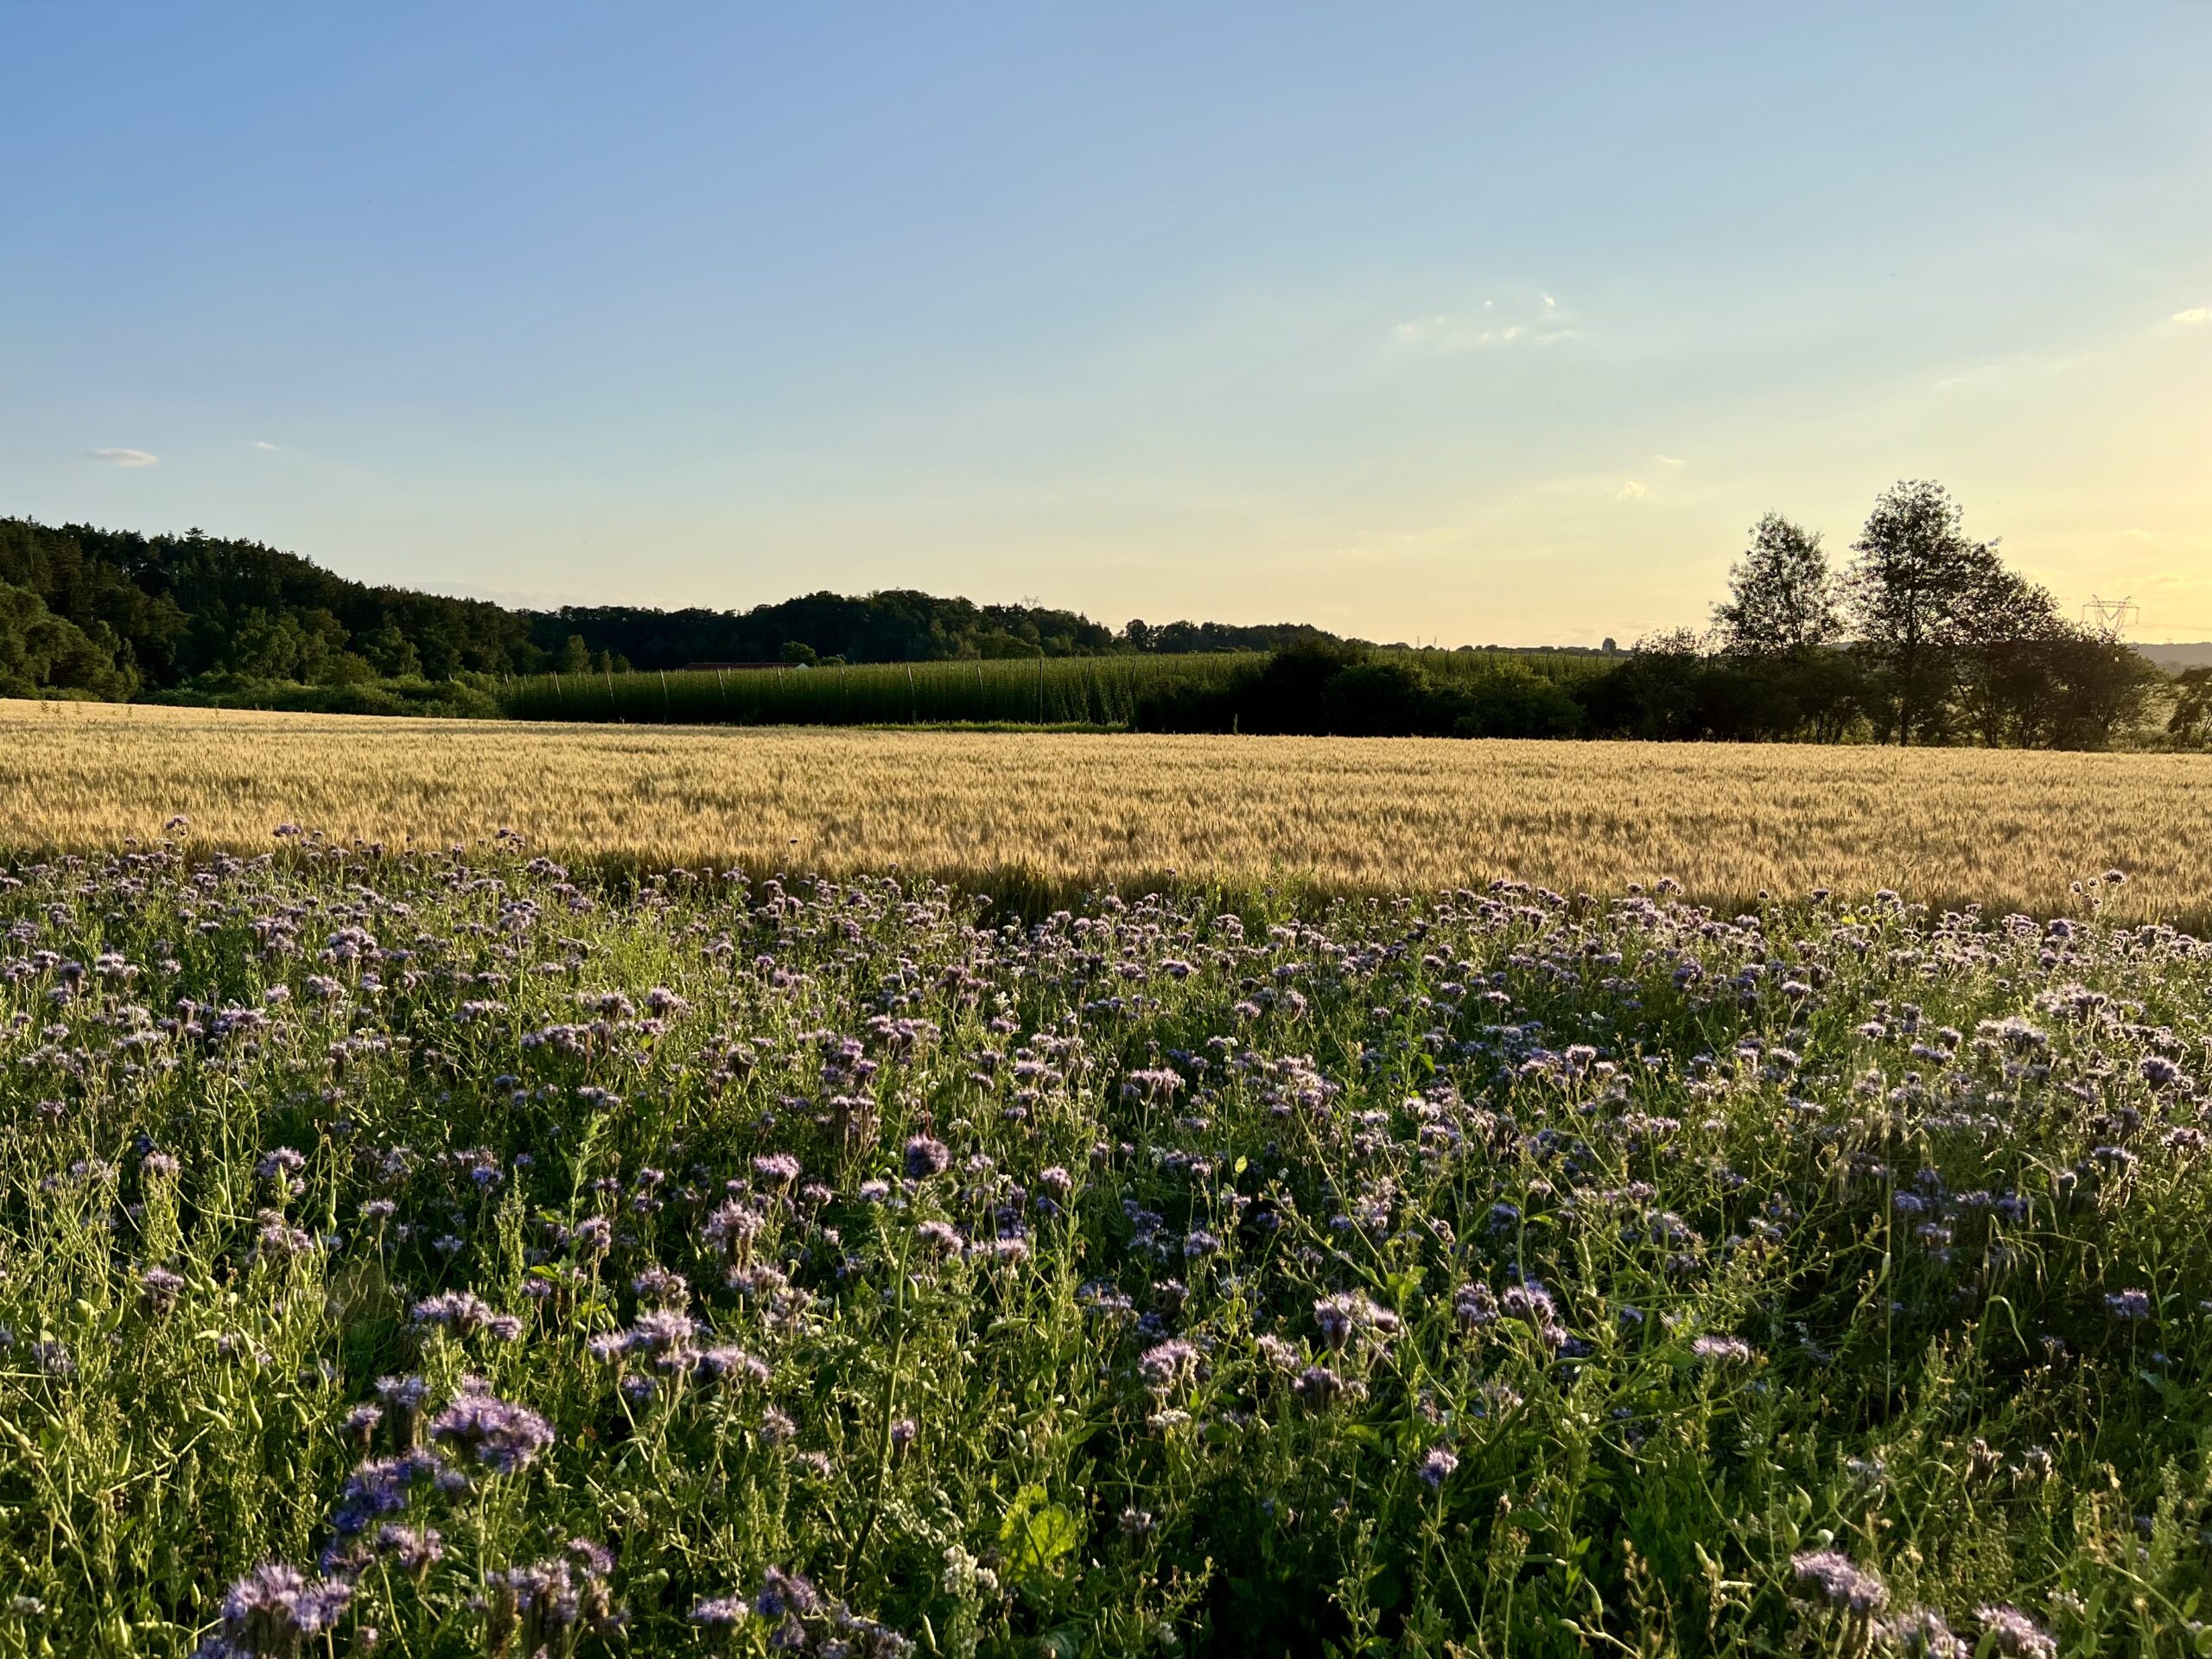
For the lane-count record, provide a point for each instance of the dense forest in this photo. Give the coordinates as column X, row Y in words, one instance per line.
column 1927, row 636
column 113, row 614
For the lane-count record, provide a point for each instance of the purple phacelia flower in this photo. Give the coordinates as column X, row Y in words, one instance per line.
column 1163, row 1366
column 2017, row 1635
column 1840, row 1581
column 161, row 1288
column 502, row 1437
column 268, row 1613
column 926, row 1157
column 460, row 1313
column 1921, row 1633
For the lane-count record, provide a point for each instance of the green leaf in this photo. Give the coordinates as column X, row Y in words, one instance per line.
column 1035, row 1533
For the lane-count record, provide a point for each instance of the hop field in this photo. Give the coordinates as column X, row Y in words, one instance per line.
column 449, row 1253
column 1039, row 819
column 1098, row 691
column 1066, row 690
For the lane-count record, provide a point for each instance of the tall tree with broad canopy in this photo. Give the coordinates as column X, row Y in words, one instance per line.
column 1782, row 598
column 1913, row 598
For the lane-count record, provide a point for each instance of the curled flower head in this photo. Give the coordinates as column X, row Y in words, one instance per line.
column 1921, row 1633
column 1163, row 1366
column 941, row 1238
column 786, row 1592
column 2129, row 1304
column 267, row 1612
column 730, row 1228
column 1319, row 1387
column 1840, row 1581
column 460, row 1313
column 2017, row 1635
column 1474, row 1304
column 1348, row 1315
column 279, row 1164
column 411, row 1548
column 502, row 1437
column 926, row 1157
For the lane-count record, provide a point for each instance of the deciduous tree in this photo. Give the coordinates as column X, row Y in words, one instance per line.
column 1782, row 597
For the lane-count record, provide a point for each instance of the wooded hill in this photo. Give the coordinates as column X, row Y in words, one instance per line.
column 114, row 613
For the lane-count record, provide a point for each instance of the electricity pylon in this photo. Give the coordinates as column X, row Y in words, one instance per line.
column 2110, row 616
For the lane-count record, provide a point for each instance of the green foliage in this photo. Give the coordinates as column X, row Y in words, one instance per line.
column 178, row 612
column 182, row 606
column 2191, row 717
column 1036, row 1534
column 40, row 651
column 1496, row 1273
column 461, row 698
column 1782, row 598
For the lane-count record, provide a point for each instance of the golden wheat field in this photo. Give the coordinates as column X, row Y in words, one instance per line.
column 2010, row 829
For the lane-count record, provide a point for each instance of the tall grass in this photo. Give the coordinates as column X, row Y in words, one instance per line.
column 1042, row 691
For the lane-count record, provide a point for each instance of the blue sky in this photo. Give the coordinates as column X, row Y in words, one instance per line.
column 1415, row 321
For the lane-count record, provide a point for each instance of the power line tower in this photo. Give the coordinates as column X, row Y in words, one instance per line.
column 2111, row 616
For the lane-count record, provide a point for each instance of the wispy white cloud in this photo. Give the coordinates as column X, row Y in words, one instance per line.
column 1631, row 491
column 124, row 458
column 2021, row 365
column 1446, row 333
column 262, row 444
column 1490, row 326
column 1670, row 461
column 2194, row 313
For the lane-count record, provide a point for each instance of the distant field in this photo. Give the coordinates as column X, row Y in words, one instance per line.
column 1062, row 690
column 1052, row 813
column 1043, row 691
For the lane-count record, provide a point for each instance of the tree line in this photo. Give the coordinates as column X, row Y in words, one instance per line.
column 1924, row 636
column 114, row 613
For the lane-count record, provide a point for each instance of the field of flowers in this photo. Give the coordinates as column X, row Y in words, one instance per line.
column 446, row 1254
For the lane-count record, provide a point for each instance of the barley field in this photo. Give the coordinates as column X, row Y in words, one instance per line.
column 1054, row 813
